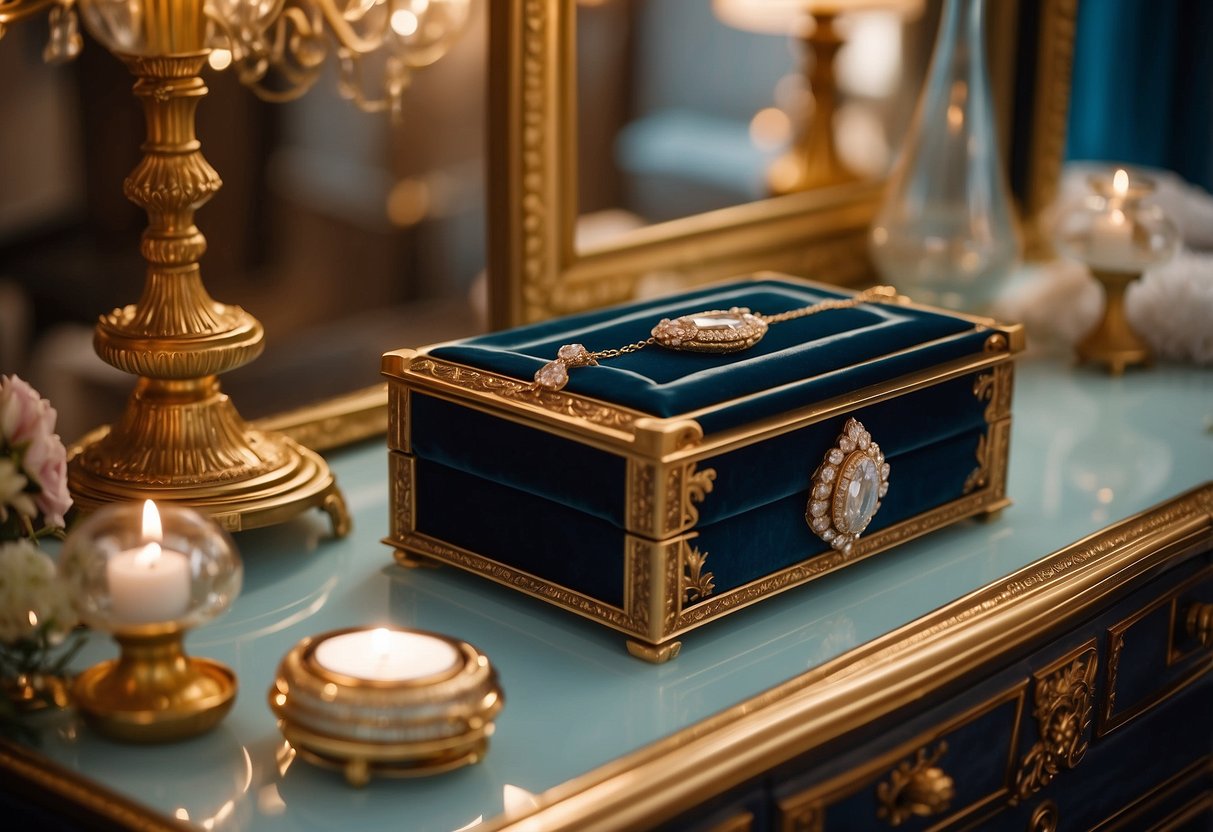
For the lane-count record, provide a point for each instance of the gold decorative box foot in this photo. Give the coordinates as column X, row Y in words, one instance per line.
column 154, row 692
column 654, row 653
column 411, row 560
column 1113, row 343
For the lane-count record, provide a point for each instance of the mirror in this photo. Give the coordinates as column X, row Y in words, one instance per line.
column 543, row 259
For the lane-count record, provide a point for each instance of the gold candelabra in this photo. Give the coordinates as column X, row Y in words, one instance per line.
column 180, row 438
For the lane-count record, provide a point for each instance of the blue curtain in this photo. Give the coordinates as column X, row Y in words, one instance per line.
column 1143, row 85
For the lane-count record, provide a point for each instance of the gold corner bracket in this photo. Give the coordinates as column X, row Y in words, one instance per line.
column 180, row 438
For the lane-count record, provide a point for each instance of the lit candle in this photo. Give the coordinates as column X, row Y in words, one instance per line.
column 1112, row 245
column 384, row 655
column 150, row 583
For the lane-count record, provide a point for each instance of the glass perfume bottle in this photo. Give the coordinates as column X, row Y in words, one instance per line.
column 946, row 232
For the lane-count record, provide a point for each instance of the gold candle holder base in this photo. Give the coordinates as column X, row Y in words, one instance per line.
column 1113, row 342
column 365, row 727
column 290, row 480
column 153, row 692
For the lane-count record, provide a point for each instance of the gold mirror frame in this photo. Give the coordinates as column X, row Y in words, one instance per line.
column 535, row 270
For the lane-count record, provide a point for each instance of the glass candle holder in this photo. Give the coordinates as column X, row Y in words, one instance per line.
column 147, row 574
column 387, row 701
column 1118, row 236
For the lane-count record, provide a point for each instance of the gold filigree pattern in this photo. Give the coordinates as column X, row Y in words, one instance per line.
column 1063, row 704
column 916, row 788
column 642, row 483
column 403, row 498
column 696, row 584
column 641, row 584
column 538, row 271
column 506, row 388
column 424, row 545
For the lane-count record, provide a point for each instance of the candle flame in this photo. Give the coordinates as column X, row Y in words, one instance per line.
column 1120, row 182
column 380, row 643
column 33, row 618
column 148, row 555
column 152, row 530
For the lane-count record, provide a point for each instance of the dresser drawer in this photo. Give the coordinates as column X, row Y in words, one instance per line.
column 939, row 777
column 1158, row 650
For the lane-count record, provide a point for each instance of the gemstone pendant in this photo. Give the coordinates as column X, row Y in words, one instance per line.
column 718, row 331
column 555, row 374
column 847, row 488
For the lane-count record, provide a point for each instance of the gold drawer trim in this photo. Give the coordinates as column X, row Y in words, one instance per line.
column 805, row 811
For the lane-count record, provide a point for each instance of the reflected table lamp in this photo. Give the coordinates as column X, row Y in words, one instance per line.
column 813, row 160
column 180, row 439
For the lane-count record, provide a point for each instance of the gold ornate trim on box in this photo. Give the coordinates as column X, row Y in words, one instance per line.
column 657, row 783
column 893, row 771
column 672, row 507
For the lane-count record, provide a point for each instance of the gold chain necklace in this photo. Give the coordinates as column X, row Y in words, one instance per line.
column 713, row 331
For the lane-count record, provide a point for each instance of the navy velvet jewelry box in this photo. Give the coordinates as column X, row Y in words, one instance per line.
column 660, row 489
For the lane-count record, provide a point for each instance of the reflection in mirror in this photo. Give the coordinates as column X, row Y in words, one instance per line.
column 686, row 106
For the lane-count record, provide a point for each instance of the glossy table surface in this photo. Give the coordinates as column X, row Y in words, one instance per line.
column 1086, row 450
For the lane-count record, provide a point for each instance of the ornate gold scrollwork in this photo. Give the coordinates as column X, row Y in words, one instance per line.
column 699, row 484
column 1063, row 718
column 916, row 787
column 696, row 584
column 1045, row 818
column 980, row 475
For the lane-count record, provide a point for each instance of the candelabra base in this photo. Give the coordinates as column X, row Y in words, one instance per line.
column 1113, row 342
column 297, row 480
column 153, row 692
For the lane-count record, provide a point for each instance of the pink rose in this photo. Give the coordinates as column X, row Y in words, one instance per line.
column 24, row 414
column 45, row 462
column 27, row 426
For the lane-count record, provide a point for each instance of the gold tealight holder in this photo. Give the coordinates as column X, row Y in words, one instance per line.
column 1118, row 235
column 147, row 576
column 388, row 701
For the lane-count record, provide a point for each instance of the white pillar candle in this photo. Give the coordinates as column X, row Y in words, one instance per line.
column 384, row 655
column 148, row 584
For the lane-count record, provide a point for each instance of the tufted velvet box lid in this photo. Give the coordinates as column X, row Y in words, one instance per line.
column 662, row 489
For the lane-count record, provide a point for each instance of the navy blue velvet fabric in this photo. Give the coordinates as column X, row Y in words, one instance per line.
column 511, row 454
column 798, row 363
column 538, row 536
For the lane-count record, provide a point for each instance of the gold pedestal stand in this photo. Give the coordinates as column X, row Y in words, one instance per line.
column 1113, row 342
column 153, row 692
column 813, row 160
column 180, row 438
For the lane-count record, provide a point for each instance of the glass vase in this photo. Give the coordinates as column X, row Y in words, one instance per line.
column 946, row 232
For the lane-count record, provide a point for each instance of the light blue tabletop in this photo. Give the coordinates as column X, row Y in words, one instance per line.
column 1086, row 450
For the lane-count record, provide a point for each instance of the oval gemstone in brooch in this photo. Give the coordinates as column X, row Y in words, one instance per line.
column 847, row 488
column 718, row 330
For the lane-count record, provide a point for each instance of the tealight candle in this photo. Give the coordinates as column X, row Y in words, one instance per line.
column 149, row 583
column 384, row 655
